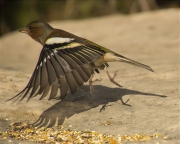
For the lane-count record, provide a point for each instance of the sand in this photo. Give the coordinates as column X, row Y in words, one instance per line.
column 148, row 102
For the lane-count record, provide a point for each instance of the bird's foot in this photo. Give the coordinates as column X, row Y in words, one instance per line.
column 112, row 78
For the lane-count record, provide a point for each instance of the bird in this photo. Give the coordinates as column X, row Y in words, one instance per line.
column 66, row 62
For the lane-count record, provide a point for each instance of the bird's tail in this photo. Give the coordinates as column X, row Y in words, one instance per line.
column 121, row 58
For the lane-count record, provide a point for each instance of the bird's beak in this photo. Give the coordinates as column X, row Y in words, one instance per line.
column 23, row 30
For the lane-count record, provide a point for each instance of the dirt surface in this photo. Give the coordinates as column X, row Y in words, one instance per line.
column 148, row 103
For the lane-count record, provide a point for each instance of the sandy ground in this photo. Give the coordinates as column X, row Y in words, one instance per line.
column 148, row 103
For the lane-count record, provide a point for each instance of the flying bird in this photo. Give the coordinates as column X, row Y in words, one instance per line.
column 66, row 61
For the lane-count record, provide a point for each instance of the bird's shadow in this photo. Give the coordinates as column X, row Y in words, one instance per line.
column 82, row 101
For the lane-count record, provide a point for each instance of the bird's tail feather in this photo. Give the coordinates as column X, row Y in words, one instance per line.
column 121, row 58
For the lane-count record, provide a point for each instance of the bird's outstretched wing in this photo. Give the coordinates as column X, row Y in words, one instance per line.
column 63, row 65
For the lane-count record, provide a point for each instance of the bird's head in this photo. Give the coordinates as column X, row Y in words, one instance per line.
column 38, row 30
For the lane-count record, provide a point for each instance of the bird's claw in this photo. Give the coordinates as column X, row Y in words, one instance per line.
column 115, row 74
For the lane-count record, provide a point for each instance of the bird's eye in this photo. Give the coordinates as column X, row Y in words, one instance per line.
column 30, row 27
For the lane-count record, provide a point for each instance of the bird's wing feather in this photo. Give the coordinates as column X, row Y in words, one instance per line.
column 61, row 67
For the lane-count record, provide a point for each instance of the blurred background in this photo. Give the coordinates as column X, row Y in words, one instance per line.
column 17, row 13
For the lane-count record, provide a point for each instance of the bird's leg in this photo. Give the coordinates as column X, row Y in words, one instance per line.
column 112, row 78
column 90, row 85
